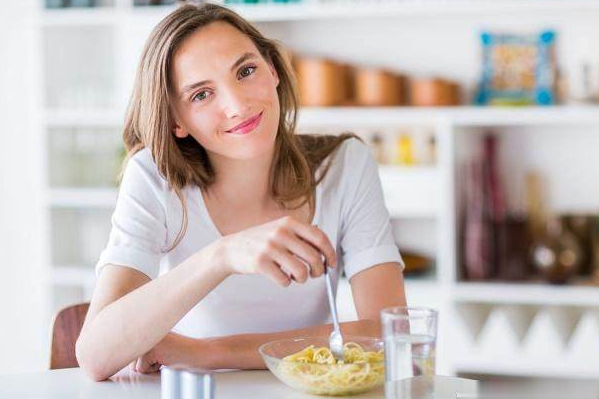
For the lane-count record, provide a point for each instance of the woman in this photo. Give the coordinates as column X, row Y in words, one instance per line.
column 225, row 219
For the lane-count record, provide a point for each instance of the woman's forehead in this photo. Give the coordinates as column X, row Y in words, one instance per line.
column 218, row 39
column 215, row 46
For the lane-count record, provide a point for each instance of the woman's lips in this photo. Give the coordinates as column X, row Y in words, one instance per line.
column 247, row 126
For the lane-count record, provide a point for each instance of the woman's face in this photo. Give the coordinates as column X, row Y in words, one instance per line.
column 224, row 94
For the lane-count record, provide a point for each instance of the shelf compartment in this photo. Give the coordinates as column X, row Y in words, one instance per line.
column 523, row 339
column 79, row 66
column 410, row 191
column 84, row 157
column 78, row 236
column 564, row 158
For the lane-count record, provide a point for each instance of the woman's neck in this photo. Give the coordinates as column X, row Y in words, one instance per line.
column 243, row 183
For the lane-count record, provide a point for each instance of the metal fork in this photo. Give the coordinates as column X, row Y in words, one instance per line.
column 335, row 339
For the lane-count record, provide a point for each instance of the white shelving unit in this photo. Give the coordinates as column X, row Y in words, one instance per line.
column 512, row 329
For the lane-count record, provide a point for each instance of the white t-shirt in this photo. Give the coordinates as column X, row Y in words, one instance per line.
column 349, row 208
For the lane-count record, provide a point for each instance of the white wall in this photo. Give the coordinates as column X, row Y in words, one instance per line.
column 23, row 335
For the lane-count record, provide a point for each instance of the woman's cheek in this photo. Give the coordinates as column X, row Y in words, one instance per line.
column 265, row 89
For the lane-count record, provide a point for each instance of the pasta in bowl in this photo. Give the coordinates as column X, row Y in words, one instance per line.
column 308, row 365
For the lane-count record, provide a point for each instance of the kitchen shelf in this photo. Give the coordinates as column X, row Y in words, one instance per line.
column 559, row 115
column 455, row 116
column 520, row 366
column 526, row 293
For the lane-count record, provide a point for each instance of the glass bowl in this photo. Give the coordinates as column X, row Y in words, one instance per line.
column 324, row 379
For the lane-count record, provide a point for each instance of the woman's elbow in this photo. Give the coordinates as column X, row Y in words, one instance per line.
column 89, row 364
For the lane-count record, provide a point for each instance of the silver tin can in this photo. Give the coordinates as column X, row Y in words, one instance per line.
column 170, row 383
column 197, row 384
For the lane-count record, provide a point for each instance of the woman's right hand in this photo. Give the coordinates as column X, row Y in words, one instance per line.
column 281, row 250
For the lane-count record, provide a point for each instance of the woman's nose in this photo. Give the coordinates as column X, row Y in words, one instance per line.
column 234, row 102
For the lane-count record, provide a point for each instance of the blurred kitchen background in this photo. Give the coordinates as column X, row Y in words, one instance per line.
column 482, row 114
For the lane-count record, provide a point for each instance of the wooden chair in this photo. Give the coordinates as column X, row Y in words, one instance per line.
column 66, row 328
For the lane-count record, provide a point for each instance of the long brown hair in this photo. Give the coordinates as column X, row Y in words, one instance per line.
column 181, row 162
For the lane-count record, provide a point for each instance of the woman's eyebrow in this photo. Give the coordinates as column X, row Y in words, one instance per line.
column 240, row 60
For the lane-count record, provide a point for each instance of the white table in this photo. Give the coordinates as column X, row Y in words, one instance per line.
column 72, row 383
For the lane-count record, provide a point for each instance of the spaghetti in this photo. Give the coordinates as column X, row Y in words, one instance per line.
column 316, row 370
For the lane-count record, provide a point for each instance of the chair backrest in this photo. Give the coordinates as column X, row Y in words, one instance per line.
column 66, row 328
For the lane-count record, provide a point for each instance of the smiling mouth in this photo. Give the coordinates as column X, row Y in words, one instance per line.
column 247, row 126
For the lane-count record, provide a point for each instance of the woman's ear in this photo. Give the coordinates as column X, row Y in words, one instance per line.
column 274, row 73
column 180, row 132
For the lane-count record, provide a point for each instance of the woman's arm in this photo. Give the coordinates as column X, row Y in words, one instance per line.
column 129, row 314
column 373, row 289
column 235, row 351
column 376, row 288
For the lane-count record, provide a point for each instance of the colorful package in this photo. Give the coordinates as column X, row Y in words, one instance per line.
column 518, row 69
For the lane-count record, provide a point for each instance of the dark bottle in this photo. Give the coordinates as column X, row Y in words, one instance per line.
column 594, row 248
column 515, row 264
column 580, row 225
column 556, row 255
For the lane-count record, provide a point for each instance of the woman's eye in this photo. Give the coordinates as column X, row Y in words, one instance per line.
column 200, row 96
column 247, row 71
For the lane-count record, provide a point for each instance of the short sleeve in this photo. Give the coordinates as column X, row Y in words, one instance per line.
column 138, row 235
column 366, row 236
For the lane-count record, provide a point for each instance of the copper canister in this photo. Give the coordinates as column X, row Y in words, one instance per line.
column 377, row 87
column 431, row 92
column 455, row 93
column 321, row 82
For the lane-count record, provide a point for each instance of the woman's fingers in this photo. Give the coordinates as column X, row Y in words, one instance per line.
column 139, row 365
column 315, row 237
column 146, row 365
column 297, row 270
column 156, row 367
column 274, row 273
column 284, row 249
column 305, row 252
